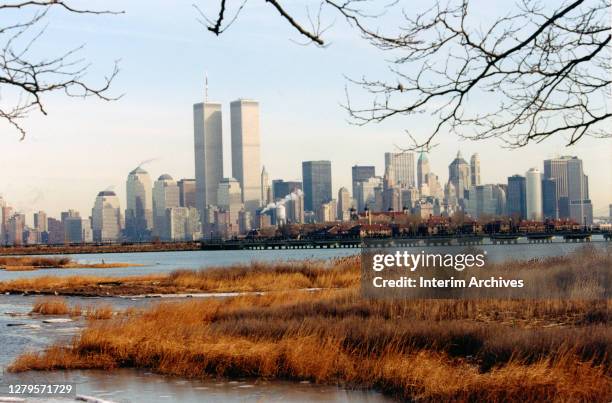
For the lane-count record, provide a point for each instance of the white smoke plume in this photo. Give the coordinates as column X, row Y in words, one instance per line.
column 146, row 162
column 291, row 196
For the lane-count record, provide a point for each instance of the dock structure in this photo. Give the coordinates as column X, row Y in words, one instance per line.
column 396, row 242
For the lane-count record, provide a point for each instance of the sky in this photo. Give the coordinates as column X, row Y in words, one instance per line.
column 84, row 146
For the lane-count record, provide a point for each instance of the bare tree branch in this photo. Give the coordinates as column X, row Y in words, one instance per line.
column 27, row 80
column 535, row 71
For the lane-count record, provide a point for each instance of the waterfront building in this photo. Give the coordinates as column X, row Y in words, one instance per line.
column 550, row 207
column 475, row 169
column 183, row 224
column 266, row 189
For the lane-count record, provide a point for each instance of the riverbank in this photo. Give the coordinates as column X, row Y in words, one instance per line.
column 26, row 263
column 98, row 248
column 429, row 350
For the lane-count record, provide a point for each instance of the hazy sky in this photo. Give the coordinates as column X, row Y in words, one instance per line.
column 83, row 147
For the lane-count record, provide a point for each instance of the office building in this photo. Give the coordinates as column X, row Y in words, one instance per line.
column 15, row 228
column 139, row 206
column 55, row 229
column 40, row 221
column 475, row 169
column 317, row 182
column 246, row 158
column 165, row 196
column 550, row 207
column 533, row 194
column 208, row 146
column 366, row 194
column 344, row 204
column 361, row 173
column 229, row 196
column 187, row 193
column 281, row 188
column 266, row 189
column 183, row 224
column 459, row 175
column 106, row 218
column 422, row 169
column 327, row 211
column 402, row 166
column 516, row 204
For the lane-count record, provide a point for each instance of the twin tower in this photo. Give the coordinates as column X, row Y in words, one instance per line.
column 246, row 156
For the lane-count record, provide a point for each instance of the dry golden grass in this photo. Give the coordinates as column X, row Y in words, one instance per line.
column 28, row 263
column 60, row 306
column 337, row 273
column 426, row 350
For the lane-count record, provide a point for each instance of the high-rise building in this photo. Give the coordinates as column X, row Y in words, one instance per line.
column 422, row 169
column 183, row 224
column 139, row 206
column 549, row 198
column 16, row 226
column 475, row 169
column 572, row 188
column 187, row 193
column 459, row 175
column 366, row 194
column 77, row 230
column 281, row 188
column 40, row 221
column 229, row 196
column 361, row 173
column 516, row 204
column 294, row 207
column 106, row 217
column 402, row 166
column 344, row 204
column 486, row 200
column 317, row 180
column 246, row 158
column 208, row 146
column 165, row 196
column 266, row 189
column 56, row 231
column 327, row 211
column 7, row 212
column 533, row 195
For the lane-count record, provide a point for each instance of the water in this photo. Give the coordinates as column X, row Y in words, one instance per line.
column 141, row 386
column 165, row 262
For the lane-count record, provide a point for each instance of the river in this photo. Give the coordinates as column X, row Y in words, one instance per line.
column 139, row 386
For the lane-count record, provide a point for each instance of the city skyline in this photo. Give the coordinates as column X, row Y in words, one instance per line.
column 300, row 117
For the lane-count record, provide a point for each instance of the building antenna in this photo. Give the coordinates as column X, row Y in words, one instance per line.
column 205, row 87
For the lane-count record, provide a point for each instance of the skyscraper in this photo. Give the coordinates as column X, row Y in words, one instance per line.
column 281, row 188
column 572, row 188
column 40, row 221
column 459, row 175
column 266, row 190
column 317, row 182
column 229, row 195
column 139, row 209
column 106, row 217
column 246, row 159
column 187, row 192
column 165, row 196
column 533, row 195
column 549, row 198
column 516, row 206
column 344, row 204
column 402, row 167
column 475, row 169
column 208, row 146
column 422, row 169
column 361, row 173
